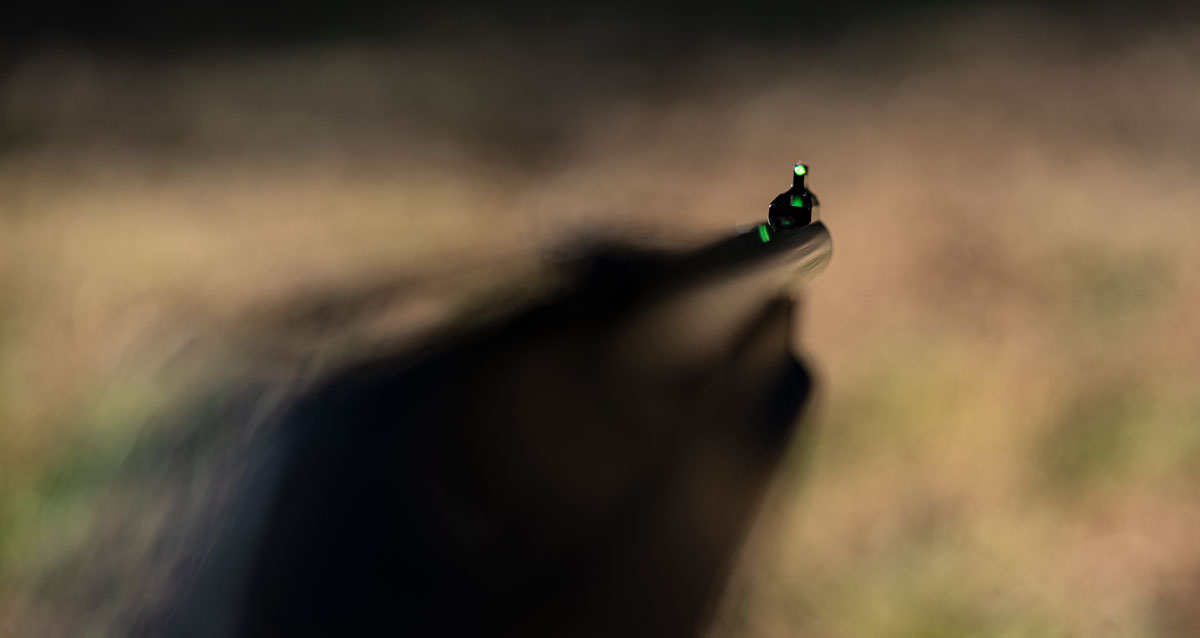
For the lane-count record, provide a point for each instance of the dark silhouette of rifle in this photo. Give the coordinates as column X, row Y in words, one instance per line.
column 585, row 467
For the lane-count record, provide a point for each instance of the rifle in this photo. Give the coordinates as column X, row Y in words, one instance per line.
column 584, row 467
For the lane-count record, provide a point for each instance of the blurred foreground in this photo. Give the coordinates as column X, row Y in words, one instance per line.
column 1005, row 339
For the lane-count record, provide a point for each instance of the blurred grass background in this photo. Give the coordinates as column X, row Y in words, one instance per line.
column 1010, row 412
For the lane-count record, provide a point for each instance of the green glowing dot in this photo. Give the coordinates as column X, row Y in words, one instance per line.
column 801, row 169
column 763, row 234
column 798, row 200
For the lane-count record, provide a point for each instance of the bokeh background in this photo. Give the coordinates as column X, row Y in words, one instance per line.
column 1008, row 433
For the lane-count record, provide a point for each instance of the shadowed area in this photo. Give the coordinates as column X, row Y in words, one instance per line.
column 543, row 475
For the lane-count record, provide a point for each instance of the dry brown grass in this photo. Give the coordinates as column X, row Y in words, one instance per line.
column 1011, row 415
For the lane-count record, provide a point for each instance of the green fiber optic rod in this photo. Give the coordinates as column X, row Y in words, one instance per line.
column 792, row 243
column 795, row 207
